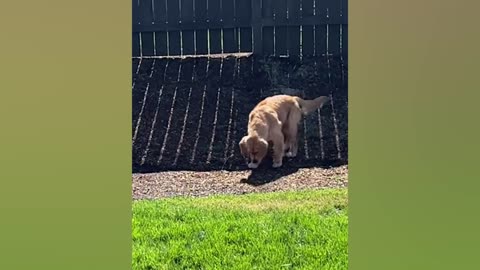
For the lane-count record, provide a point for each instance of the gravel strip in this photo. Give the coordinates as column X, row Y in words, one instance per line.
column 192, row 183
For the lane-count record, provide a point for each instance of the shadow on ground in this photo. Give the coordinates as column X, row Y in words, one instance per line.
column 266, row 174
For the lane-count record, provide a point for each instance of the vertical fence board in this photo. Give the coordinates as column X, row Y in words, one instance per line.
column 321, row 10
column 307, row 40
column 293, row 7
column 344, row 6
column 200, row 10
column 246, row 39
column 307, row 8
column 136, row 51
column 146, row 18
column 334, row 39
column 173, row 12
column 243, row 11
column 147, row 44
column 230, row 44
column 136, row 44
column 214, row 16
column 173, row 16
column 215, row 41
column 268, row 45
column 257, row 26
column 321, row 7
column 146, row 12
column 294, row 41
column 201, row 42
column 344, row 26
column 293, row 10
column 267, row 8
column 214, row 11
column 187, row 17
column 159, row 11
column 135, row 12
column 280, row 11
column 174, row 43
column 243, row 16
column 201, row 36
column 161, row 43
column 186, row 11
column 281, row 38
column 228, row 11
column 188, row 42
column 320, row 39
column 334, row 11
column 345, row 42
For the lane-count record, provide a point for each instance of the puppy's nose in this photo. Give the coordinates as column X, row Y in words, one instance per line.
column 252, row 165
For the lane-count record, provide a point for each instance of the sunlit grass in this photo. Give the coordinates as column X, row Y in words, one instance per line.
column 288, row 230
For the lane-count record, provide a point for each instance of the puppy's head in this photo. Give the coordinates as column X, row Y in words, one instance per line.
column 254, row 150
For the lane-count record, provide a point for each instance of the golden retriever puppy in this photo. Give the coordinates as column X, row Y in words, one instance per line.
column 275, row 120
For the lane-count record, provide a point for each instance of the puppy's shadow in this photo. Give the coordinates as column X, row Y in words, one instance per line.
column 265, row 175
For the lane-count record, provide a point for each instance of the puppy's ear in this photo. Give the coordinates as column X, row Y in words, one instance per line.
column 264, row 143
column 243, row 146
column 261, row 146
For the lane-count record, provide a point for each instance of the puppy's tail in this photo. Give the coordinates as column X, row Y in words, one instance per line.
column 308, row 106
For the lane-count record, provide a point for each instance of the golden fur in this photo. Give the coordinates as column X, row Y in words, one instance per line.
column 275, row 120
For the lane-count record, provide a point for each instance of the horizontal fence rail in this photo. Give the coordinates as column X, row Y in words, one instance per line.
column 265, row 27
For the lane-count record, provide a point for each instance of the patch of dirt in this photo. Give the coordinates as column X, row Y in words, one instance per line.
column 192, row 183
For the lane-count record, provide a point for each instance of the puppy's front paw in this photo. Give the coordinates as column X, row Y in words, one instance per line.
column 277, row 164
column 290, row 154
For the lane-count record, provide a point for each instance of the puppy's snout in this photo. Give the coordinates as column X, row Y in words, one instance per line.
column 252, row 165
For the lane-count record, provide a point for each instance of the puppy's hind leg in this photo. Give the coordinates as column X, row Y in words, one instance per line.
column 292, row 142
column 292, row 131
column 278, row 149
column 286, row 139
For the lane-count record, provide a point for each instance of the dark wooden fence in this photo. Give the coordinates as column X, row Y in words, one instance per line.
column 265, row 27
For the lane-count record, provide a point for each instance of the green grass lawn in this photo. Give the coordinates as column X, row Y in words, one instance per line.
column 288, row 230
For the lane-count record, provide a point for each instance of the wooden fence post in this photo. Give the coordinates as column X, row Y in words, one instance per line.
column 257, row 26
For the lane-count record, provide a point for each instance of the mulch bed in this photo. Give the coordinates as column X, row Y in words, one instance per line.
column 189, row 114
column 191, row 183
